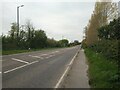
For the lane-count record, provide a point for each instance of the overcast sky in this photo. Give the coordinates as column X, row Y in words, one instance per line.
column 57, row 19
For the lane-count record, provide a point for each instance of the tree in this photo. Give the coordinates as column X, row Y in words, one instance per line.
column 13, row 31
column 110, row 31
column 29, row 37
column 102, row 14
column 39, row 39
column 52, row 43
column 29, row 27
column 76, row 42
column 63, row 42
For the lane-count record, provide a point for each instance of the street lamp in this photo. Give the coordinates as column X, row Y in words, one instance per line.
column 18, row 19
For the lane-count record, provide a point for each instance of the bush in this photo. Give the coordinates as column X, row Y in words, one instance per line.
column 102, row 73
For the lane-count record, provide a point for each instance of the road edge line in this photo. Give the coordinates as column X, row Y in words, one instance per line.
column 66, row 71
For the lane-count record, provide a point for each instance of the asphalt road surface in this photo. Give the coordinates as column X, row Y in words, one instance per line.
column 39, row 69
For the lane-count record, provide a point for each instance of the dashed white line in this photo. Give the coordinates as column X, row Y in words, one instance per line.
column 20, row 67
column 36, row 56
column 55, row 52
column 19, row 60
column 49, row 56
column 43, row 54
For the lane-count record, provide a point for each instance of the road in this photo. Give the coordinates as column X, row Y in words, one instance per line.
column 39, row 69
column 77, row 77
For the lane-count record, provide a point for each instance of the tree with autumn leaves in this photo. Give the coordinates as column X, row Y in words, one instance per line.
column 102, row 36
column 103, row 13
column 102, row 33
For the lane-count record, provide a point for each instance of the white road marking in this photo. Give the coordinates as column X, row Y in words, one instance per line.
column 0, row 72
column 20, row 67
column 65, row 72
column 49, row 56
column 58, row 83
column 43, row 54
column 19, row 60
column 55, row 52
column 36, row 56
column 40, row 56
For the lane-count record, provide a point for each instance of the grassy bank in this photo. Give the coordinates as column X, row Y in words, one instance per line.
column 8, row 52
column 102, row 72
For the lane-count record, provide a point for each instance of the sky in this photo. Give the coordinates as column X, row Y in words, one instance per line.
column 58, row 19
column 119, row 8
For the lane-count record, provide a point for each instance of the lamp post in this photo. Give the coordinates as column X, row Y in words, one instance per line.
column 18, row 19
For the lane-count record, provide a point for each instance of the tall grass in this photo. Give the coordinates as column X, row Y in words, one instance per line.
column 103, row 73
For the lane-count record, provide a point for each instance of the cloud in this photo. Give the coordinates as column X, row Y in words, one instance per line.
column 57, row 18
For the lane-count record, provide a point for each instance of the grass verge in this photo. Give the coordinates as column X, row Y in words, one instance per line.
column 8, row 52
column 103, row 73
